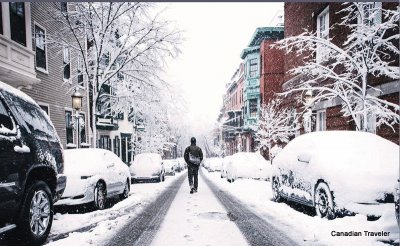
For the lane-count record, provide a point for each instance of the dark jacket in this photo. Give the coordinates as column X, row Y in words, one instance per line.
column 194, row 150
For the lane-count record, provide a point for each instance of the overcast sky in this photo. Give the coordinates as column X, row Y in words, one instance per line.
column 215, row 35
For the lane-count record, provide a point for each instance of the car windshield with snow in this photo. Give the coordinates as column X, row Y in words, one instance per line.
column 147, row 166
column 337, row 172
column 93, row 176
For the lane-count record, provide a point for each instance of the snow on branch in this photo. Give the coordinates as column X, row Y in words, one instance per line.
column 345, row 70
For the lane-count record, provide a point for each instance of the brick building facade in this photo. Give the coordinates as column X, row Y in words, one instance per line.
column 327, row 115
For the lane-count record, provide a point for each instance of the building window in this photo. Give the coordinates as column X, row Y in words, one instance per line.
column 253, row 108
column 66, row 63
column 64, row 7
column 321, row 120
column 370, row 13
column 40, row 44
column 105, row 142
column 322, row 32
column 253, row 68
column 1, row 19
column 69, row 127
column 82, row 128
column 45, row 108
column 17, row 23
column 80, row 71
column 117, row 144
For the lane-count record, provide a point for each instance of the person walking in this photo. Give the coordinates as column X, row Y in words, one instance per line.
column 193, row 157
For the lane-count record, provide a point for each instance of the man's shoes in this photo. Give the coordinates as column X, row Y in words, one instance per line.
column 195, row 190
column 192, row 190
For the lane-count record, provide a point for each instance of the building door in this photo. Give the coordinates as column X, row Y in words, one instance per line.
column 126, row 147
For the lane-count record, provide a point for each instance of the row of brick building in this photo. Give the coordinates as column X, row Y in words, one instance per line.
column 45, row 72
column 264, row 71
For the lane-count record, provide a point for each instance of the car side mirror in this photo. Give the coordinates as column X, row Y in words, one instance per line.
column 304, row 157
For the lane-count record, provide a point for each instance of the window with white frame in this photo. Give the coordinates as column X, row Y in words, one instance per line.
column 370, row 13
column 66, row 63
column 322, row 32
column 253, row 68
column 40, row 47
column 321, row 120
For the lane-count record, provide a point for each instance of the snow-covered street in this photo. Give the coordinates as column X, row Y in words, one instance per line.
column 198, row 219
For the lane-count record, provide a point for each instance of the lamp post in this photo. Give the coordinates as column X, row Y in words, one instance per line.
column 308, row 100
column 77, row 105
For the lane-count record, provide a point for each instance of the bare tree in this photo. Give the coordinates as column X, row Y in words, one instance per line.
column 344, row 71
column 123, row 49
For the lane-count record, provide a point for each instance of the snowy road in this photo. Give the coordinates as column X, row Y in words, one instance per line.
column 208, row 217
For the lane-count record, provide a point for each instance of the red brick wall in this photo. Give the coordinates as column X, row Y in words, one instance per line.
column 272, row 76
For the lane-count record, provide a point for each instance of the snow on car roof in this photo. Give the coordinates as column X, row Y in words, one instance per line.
column 16, row 92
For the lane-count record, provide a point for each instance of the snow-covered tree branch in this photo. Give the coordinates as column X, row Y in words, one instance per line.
column 275, row 125
column 123, row 47
column 345, row 70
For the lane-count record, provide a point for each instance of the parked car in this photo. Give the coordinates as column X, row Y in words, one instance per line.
column 247, row 165
column 147, row 166
column 225, row 161
column 170, row 166
column 94, row 175
column 181, row 164
column 336, row 172
column 31, row 167
column 214, row 164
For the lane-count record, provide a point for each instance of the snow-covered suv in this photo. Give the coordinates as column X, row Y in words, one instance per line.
column 31, row 167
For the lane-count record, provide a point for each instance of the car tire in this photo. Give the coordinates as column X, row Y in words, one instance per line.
column 276, row 197
column 38, row 198
column 125, row 193
column 100, row 196
column 323, row 200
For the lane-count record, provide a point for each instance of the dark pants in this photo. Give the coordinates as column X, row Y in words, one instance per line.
column 193, row 173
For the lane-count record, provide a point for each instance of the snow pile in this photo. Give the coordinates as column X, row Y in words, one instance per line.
column 146, row 165
column 357, row 166
column 247, row 165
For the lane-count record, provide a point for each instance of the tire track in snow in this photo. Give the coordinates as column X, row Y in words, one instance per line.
column 256, row 230
column 142, row 229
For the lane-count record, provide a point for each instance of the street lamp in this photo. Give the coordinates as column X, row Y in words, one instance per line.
column 77, row 105
column 307, row 117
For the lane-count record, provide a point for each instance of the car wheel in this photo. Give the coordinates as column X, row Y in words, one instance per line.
column 100, row 196
column 323, row 201
column 275, row 190
column 36, row 215
column 125, row 193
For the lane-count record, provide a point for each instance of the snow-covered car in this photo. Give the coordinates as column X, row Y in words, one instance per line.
column 94, row 175
column 170, row 167
column 147, row 166
column 181, row 164
column 247, row 165
column 214, row 164
column 337, row 172
column 225, row 161
column 31, row 167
